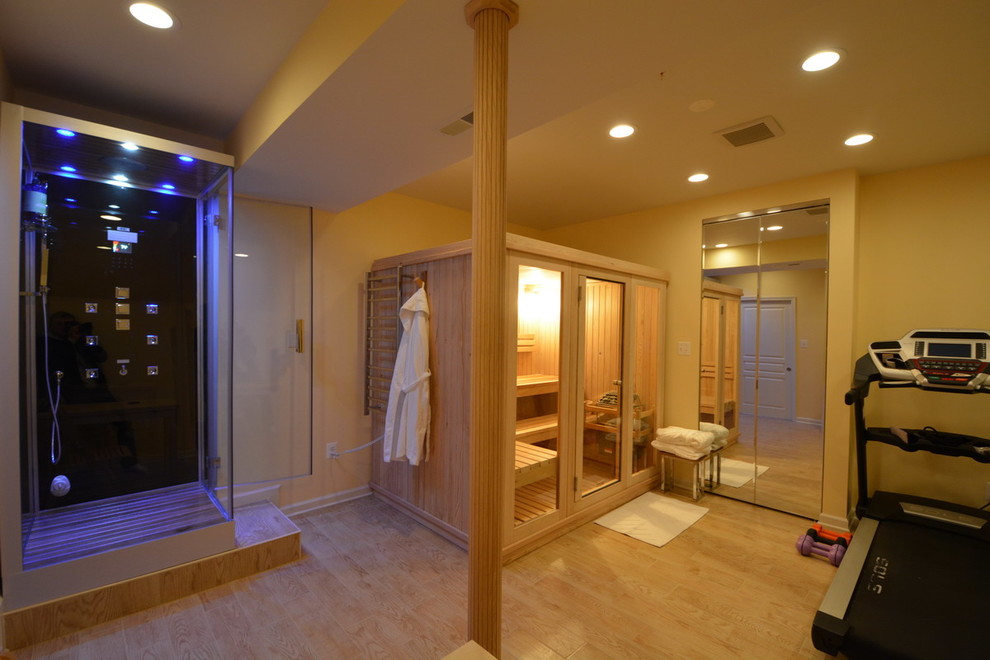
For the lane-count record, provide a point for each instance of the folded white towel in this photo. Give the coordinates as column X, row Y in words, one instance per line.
column 720, row 432
column 679, row 450
column 691, row 438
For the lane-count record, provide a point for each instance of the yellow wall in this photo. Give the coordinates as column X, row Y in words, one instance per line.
column 896, row 213
column 923, row 234
column 344, row 246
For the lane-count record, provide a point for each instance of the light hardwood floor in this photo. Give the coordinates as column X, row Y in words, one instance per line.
column 793, row 452
column 375, row 584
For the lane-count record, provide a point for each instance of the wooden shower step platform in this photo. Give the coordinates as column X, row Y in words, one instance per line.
column 264, row 538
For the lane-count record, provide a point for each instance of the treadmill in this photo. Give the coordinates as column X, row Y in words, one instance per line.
column 915, row 580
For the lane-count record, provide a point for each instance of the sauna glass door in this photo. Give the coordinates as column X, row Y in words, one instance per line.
column 537, row 393
column 601, row 350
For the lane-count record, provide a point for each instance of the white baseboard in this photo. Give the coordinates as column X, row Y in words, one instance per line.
column 244, row 495
column 834, row 522
column 326, row 500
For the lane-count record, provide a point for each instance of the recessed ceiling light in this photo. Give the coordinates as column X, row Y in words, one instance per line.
column 698, row 178
column 111, row 218
column 67, row 168
column 152, row 15
column 130, row 146
column 775, row 227
column 64, row 132
column 822, row 60
column 186, row 159
column 721, row 245
column 745, row 214
column 701, row 105
column 240, row 254
column 621, row 131
column 119, row 177
column 857, row 140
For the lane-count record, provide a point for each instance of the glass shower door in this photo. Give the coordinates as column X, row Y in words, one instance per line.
column 601, row 342
column 124, row 340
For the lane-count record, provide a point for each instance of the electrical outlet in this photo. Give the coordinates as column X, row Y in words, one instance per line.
column 332, row 450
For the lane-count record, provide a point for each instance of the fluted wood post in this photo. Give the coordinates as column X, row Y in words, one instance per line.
column 491, row 20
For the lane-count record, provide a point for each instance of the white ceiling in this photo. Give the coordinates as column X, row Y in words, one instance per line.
column 917, row 74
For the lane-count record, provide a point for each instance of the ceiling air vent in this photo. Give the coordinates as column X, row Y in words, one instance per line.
column 752, row 131
column 458, row 126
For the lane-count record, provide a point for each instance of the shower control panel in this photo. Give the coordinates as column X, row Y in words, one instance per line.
column 945, row 359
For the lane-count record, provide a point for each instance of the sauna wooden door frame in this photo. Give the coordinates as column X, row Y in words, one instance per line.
column 565, row 398
column 629, row 312
column 570, row 396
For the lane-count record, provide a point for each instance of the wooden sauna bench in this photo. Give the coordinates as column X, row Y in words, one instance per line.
column 534, row 463
column 541, row 427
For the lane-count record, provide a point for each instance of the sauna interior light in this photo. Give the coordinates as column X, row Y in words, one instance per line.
column 130, row 146
column 64, row 132
column 822, row 60
column 186, row 159
column 775, row 227
column 621, row 131
column 857, row 140
column 119, row 177
column 721, row 245
column 111, row 218
column 698, row 178
column 151, row 15
column 67, row 168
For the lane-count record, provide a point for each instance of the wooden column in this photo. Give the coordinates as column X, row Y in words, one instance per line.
column 491, row 20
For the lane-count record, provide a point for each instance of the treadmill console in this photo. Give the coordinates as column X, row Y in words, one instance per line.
column 949, row 359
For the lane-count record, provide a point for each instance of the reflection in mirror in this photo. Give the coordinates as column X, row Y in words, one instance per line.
column 762, row 372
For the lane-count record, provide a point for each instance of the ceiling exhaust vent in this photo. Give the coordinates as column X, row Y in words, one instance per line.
column 752, row 131
column 458, row 126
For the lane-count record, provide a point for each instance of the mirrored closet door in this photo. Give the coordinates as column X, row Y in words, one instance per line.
column 762, row 371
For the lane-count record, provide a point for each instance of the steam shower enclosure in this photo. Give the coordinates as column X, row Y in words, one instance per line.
column 115, row 454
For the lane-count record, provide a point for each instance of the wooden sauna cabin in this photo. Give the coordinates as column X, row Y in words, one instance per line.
column 584, row 356
column 720, row 368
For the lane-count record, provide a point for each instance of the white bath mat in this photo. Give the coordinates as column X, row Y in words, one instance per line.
column 739, row 473
column 653, row 518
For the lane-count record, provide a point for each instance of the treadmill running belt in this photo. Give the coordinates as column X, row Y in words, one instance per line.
column 920, row 595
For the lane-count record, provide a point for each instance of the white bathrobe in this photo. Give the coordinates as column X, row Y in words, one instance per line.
column 407, row 418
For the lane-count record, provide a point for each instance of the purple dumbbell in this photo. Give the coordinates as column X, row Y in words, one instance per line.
column 807, row 545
